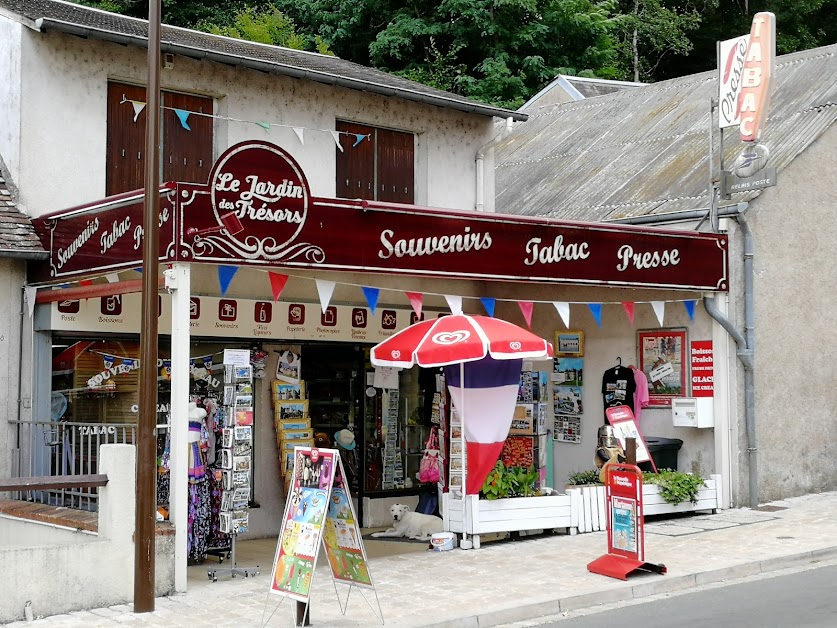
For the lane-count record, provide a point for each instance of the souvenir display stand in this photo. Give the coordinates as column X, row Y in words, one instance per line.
column 319, row 512
column 236, row 459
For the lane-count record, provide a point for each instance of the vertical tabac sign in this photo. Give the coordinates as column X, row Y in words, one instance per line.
column 754, row 99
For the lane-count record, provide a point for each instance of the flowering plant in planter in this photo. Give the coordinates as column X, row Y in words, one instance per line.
column 503, row 481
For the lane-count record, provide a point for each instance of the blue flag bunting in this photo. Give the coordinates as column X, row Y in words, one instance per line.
column 359, row 137
column 488, row 304
column 183, row 116
column 371, row 295
column 596, row 311
column 690, row 308
column 225, row 276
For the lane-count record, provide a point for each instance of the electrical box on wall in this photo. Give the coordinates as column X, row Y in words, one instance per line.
column 693, row 412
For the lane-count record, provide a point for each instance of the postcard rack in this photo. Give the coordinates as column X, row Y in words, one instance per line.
column 236, row 456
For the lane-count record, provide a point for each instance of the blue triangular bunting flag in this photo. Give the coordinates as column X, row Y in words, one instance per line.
column 371, row 295
column 225, row 276
column 488, row 304
column 359, row 137
column 596, row 311
column 690, row 308
column 183, row 116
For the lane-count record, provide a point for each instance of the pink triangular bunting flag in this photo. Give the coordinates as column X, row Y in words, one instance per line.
column 526, row 307
column 629, row 310
column 416, row 299
column 277, row 283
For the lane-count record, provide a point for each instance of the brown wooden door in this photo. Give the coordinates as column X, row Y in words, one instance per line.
column 396, row 176
column 355, row 165
column 187, row 153
column 125, row 160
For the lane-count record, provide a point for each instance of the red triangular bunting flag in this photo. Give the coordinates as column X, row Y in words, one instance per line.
column 85, row 282
column 526, row 307
column 415, row 300
column 277, row 283
column 629, row 310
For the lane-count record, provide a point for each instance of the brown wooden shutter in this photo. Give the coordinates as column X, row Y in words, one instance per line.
column 125, row 162
column 396, row 176
column 187, row 154
column 355, row 165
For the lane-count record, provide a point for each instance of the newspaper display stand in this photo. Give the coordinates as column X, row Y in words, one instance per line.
column 625, row 526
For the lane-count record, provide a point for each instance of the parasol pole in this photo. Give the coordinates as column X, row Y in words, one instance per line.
column 465, row 543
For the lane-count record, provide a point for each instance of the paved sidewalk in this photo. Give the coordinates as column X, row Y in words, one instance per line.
column 509, row 581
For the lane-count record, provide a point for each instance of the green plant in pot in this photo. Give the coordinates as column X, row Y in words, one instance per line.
column 674, row 486
column 503, row 481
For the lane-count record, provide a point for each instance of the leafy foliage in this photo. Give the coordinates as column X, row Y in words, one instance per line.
column 584, row 477
column 675, row 486
column 269, row 26
column 503, row 481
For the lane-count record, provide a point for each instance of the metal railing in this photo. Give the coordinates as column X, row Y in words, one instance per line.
column 47, row 448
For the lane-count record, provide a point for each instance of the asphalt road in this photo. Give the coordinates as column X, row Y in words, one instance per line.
column 801, row 599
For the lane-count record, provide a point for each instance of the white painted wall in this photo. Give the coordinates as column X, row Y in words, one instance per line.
column 65, row 78
column 56, row 571
column 10, row 101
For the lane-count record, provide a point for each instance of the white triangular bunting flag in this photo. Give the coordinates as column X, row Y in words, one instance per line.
column 659, row 310
column 454, row 303
column 31, row 292
column 138, row 107
column 325, row 289
column 564, row 311
column 299, row 131
column 112, row 278
column 336, row 136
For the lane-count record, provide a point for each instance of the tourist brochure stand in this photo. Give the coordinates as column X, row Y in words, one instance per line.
column 625, row 526
column 319, row 511
column 621, row 419
column 236, row 457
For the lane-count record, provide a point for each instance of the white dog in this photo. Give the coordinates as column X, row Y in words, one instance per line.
column 413, row 525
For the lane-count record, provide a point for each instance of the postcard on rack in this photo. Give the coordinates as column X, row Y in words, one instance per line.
column 226, row 459
column 227, row 437
column 288, row 367
column 243, row 433
column 243, row 372
column 297, row 410
column 243, row 401
column 241, row 463
column 243, row 448
column 243, row 417
column 284, row 391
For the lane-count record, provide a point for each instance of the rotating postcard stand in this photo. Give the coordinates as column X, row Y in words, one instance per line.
column 319, row 511
column 236, row 459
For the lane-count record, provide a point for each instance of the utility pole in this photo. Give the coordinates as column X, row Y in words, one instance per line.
column 144, row 541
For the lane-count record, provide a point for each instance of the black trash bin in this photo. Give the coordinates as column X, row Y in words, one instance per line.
column 663, row 451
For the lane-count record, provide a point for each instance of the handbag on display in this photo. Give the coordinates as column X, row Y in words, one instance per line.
column 429, row 466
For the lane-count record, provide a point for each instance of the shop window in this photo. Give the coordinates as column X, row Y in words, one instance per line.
column 379, row 168
column 186, row 154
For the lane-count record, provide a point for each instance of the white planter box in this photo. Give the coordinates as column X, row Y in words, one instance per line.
column 582, row 509
column 514, row 514
column 590, row 510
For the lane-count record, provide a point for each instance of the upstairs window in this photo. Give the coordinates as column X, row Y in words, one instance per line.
column 186, row 154
column 380, row 168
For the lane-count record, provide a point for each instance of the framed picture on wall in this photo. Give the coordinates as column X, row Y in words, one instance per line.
column 569, row 344
column 663, row 359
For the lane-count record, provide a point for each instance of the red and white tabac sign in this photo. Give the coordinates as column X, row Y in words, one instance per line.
column 756, row 83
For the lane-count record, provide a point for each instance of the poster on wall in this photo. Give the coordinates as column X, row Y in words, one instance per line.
column 662, row 357
column 567, row 428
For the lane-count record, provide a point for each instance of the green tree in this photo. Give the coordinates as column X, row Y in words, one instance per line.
column 269, row 26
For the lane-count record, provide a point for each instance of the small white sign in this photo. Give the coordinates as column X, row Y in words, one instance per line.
column 237, row 357
column 661, row 371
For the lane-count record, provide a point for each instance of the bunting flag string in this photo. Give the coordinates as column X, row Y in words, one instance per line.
column 183, row 116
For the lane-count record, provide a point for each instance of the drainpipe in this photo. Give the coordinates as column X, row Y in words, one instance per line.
column 746, row 355
column 480, row 158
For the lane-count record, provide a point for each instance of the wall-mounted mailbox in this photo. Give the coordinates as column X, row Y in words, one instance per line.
column 693, row 412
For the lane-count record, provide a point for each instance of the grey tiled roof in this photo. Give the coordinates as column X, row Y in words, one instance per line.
column 640, row 152
column 16, row 233
column 87, row 22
